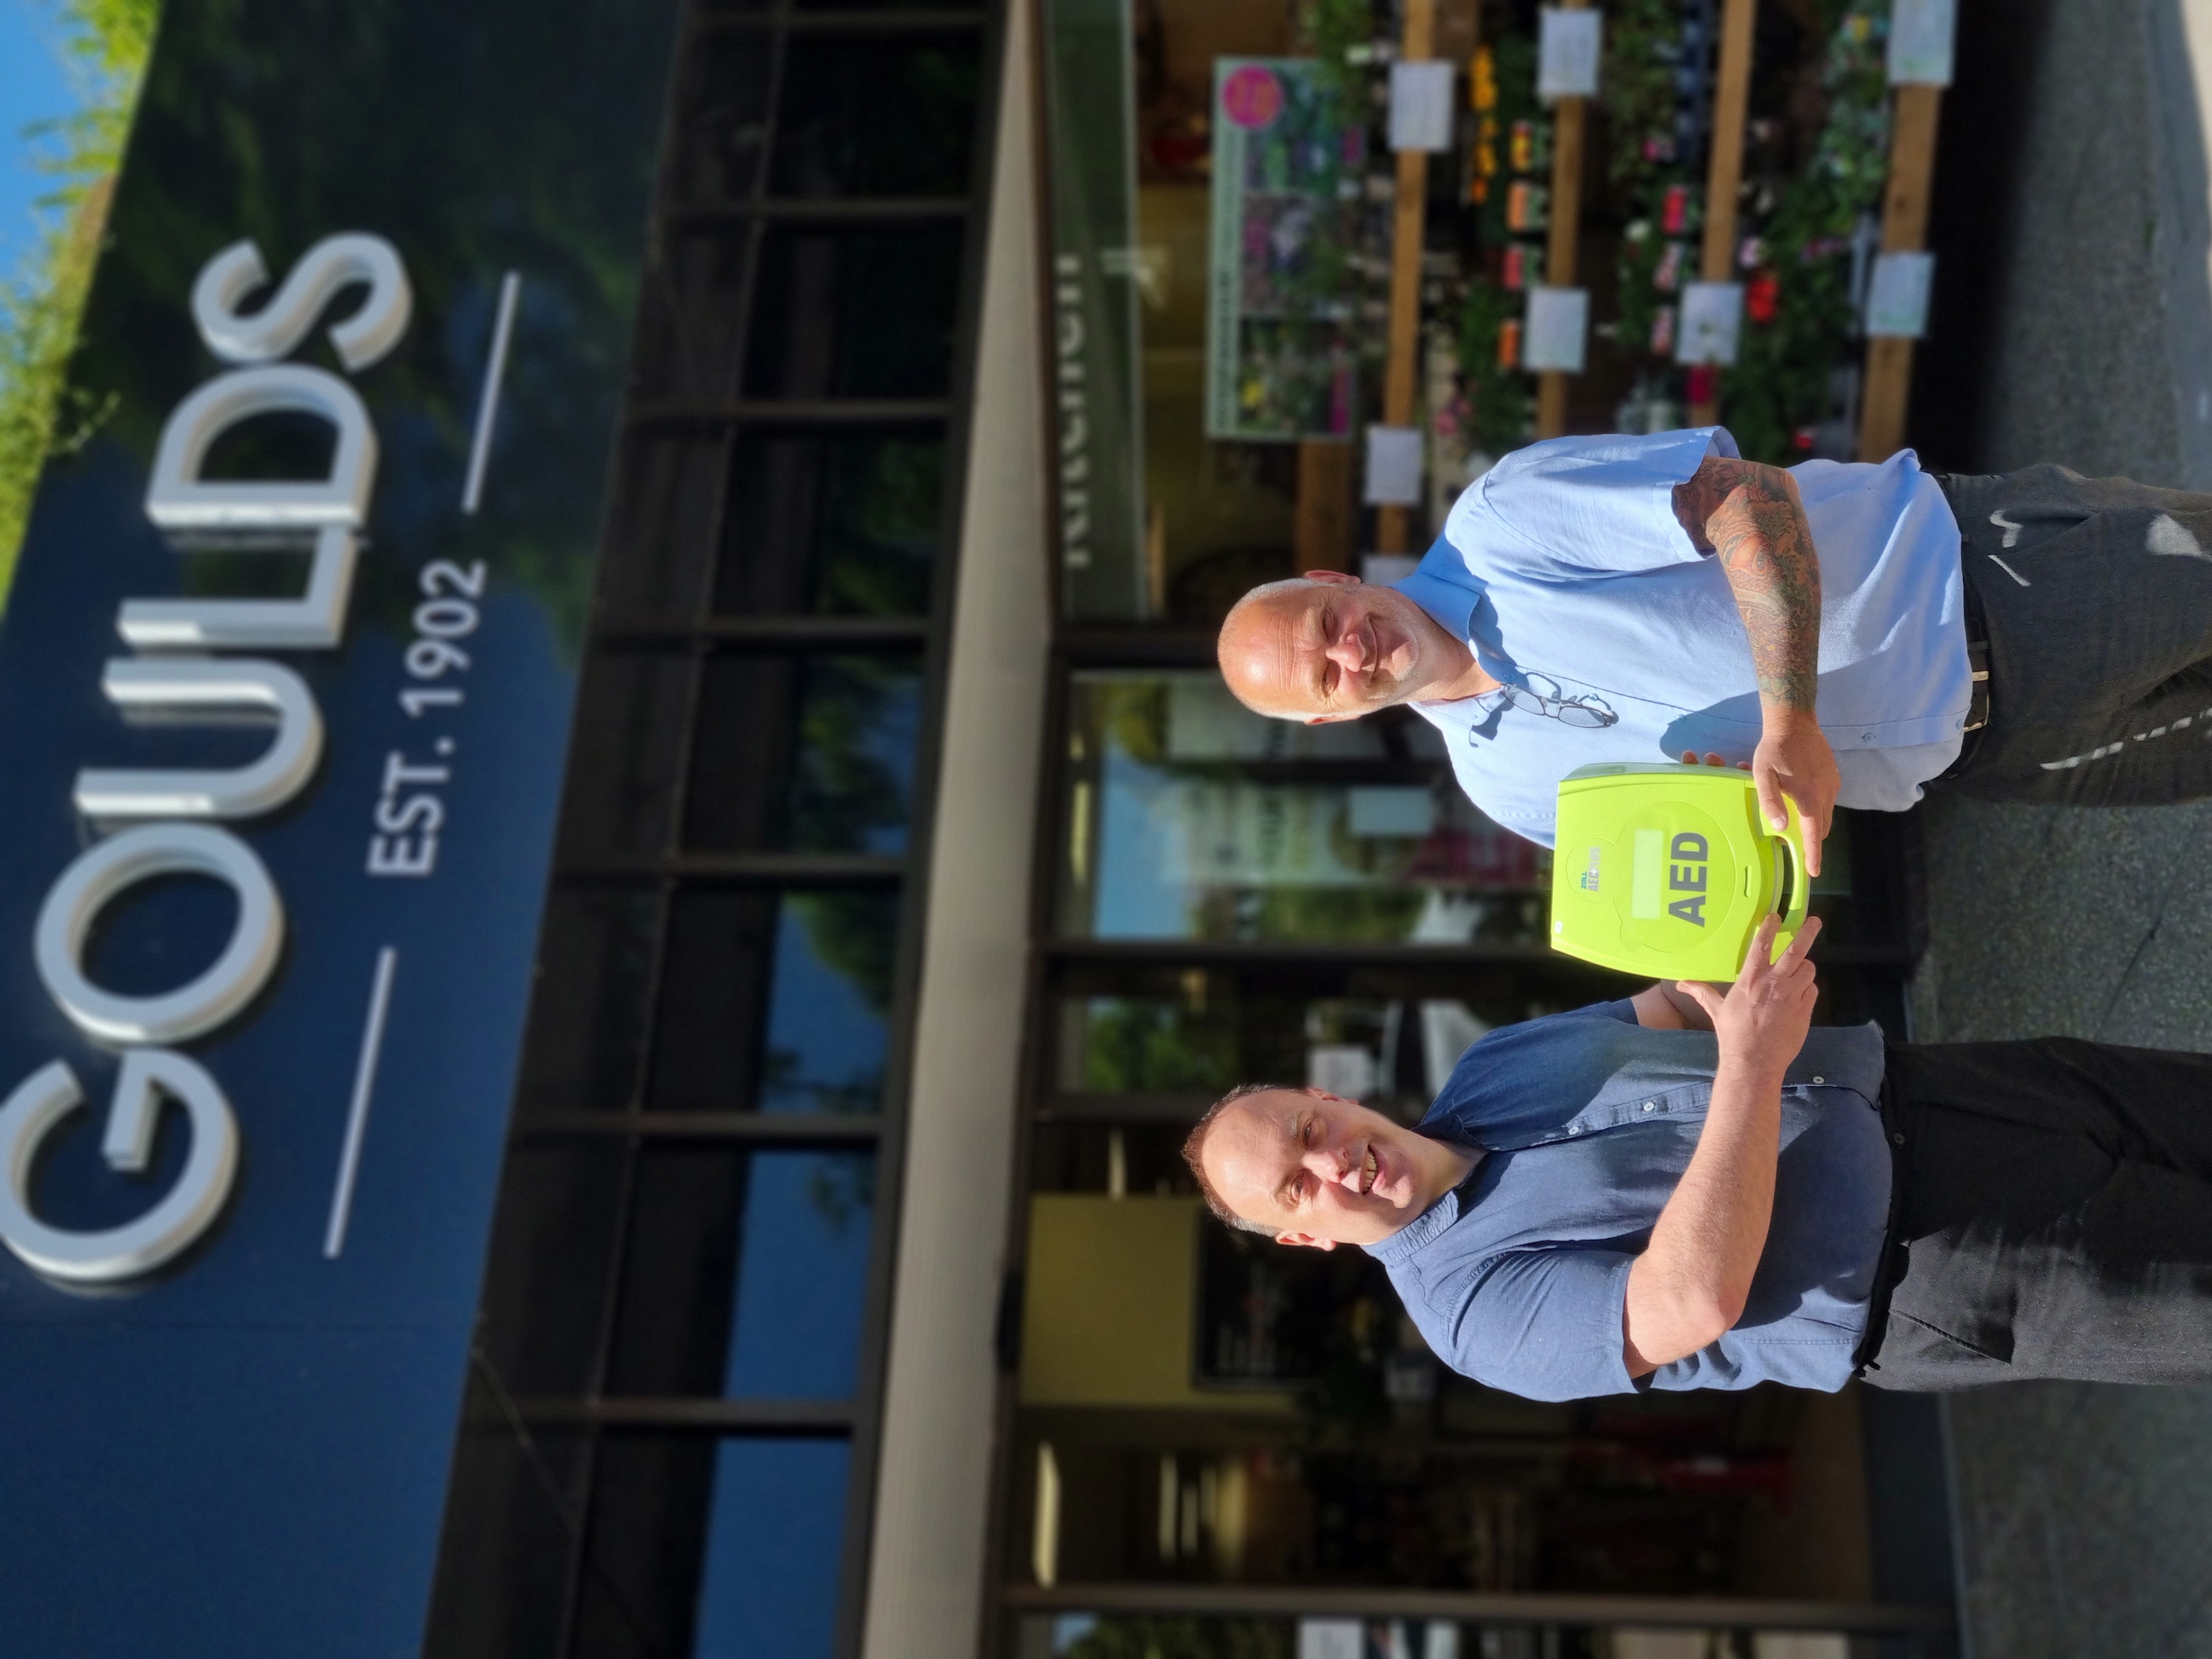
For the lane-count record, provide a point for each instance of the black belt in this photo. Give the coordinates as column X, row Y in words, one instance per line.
column 1978, row 653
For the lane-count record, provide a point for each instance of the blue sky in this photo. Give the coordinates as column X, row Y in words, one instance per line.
column 33, row 86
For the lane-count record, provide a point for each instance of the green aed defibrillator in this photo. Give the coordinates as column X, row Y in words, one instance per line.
column 1668, row 870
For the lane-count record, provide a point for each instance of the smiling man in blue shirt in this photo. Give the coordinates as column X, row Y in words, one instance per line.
column 1849, row 632
column 1694, row 1189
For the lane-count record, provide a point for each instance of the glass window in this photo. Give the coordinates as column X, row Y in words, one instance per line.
column 877, row 117
column 778, row 1002
column 743, row 1272
column 828, row 1026
column 693, row 334
column 723, row 121
column 854, row 313
column 588, row 1018
column 844, row 525
column 668, row 520
column 632, row 712
column 804, row 754
column 1188, row 817
column 774, row 1540
column 802, row 1275
column 1394, row 1054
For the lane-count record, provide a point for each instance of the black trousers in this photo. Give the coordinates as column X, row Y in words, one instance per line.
column 2053, row 1216
column 2095, row 595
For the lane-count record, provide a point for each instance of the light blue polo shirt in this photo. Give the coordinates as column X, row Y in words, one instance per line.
column 1565, row 568
column 1520, row 1277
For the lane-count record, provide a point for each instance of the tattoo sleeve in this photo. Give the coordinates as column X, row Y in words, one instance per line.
column 1750, row 517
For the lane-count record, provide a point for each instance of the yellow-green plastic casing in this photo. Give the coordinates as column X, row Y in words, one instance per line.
column 1668, row 870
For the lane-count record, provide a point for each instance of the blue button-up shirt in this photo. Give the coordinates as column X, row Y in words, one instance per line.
column 1586, row 1120
column 1565, row 568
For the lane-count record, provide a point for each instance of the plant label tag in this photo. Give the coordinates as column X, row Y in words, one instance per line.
column 1897, row 298
column 1710, row 322
column 1567, row 53
column 1921, row 32
column 1421, row 105
column 1394, row 466
column 1559, row 329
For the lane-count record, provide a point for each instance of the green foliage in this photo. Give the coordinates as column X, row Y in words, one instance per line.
column 1331, row 29
column 849, row 937
column 881, row 537
column 1500, row 408
column 1638, row 84
column 40, row 304
column 1138, row 1045
column 1780, row 379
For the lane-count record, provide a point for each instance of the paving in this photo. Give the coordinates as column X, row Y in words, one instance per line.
column 2084, row 1511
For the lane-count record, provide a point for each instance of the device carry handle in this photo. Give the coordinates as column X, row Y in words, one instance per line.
column 1792, row 837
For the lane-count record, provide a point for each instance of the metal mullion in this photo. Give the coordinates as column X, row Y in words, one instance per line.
column 761, row 1129
column 767, row 634
column 779, row 871
column 814, row 1419
column 1251, row 953
column 710, row 572
column 853, row 22
column 772, row 23
column 626, row 1204
column 688, row 35
column 1172, row 1107
column 825, row 209
column 872, row 1370
column 1135, row 645
column 834, row 412
column 1482, row 1607
column 1037, row 1073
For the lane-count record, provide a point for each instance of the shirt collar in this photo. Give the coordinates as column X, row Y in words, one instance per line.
column 1430, row 1223
column 1451, row 605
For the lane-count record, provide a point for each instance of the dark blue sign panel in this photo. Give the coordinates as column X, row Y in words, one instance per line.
column 285, row 685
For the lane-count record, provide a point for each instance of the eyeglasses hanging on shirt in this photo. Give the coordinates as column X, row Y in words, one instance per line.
column 1583, row 712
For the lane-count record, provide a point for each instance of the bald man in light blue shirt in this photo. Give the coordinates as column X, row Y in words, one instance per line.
column 1831, row 627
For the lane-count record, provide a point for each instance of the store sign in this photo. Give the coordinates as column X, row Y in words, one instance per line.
column 1096, row 274
column 286, row 674
column 333, row 509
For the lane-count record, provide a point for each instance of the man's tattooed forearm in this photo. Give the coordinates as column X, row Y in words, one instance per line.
column 1765, row 547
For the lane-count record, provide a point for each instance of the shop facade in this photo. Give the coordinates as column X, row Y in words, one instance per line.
column 632, row 838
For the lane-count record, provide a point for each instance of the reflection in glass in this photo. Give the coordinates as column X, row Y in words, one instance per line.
column 810, row 755
column 587, row 1022
column 667, row 516
column 844, row 525
column 829, row 1002
column 1188, row 817
column 774, row 1538
column 723, row 117
column 882, row 117
column 802, row 1275
column 854, row 313
column 1394, row 1054
column 773, row 1002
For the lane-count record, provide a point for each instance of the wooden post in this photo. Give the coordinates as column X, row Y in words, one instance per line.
column 1408, row 221
column 1724, row 168
column 1913, row 115
column 1325, row 529
column 1568, row 118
